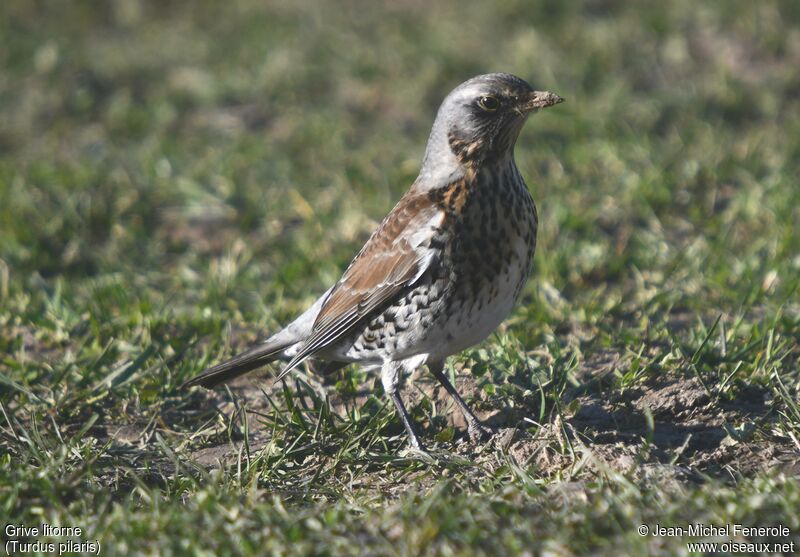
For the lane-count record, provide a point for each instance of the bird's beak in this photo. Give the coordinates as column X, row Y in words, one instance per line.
column 539, row 99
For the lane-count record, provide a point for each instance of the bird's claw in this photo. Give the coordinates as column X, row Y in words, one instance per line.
column 479, row 433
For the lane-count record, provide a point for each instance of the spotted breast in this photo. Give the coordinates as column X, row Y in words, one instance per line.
column 484, row 245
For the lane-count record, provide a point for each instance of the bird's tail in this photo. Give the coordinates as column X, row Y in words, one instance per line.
column 238, row 365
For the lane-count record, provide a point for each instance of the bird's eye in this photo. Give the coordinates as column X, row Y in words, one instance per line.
column 489, row 103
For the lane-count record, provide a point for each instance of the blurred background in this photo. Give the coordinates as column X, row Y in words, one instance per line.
column 146, row 137
column 221, row 162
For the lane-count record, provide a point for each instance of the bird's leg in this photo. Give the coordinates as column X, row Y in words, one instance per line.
column 401, row 410
column 477, row 431
column 390, row 376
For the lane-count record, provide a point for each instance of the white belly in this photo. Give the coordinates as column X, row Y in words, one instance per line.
column 479, row 319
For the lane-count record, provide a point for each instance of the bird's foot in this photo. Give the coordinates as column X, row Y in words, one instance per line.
column 414, row 444
column 480, row 433
column 418, row 452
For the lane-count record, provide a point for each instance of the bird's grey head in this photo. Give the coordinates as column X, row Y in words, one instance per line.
column 479, row 120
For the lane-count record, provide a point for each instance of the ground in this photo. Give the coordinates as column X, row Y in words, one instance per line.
column 175, row 184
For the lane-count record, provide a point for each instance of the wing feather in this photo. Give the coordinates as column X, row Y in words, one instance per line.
column 397, row 254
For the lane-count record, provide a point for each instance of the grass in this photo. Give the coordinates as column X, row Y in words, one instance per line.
column 174, row 183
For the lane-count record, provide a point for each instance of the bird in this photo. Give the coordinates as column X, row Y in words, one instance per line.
column 441, row 271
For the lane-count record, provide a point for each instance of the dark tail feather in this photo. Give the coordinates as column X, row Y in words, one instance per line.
column 238, row 365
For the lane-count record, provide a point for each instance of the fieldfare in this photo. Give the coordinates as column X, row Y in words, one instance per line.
column 445, row 266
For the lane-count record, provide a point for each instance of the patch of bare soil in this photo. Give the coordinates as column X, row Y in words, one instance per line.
column 667, row 428
column 664, row 429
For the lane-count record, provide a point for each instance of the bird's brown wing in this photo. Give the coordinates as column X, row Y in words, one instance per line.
column 394, row 257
